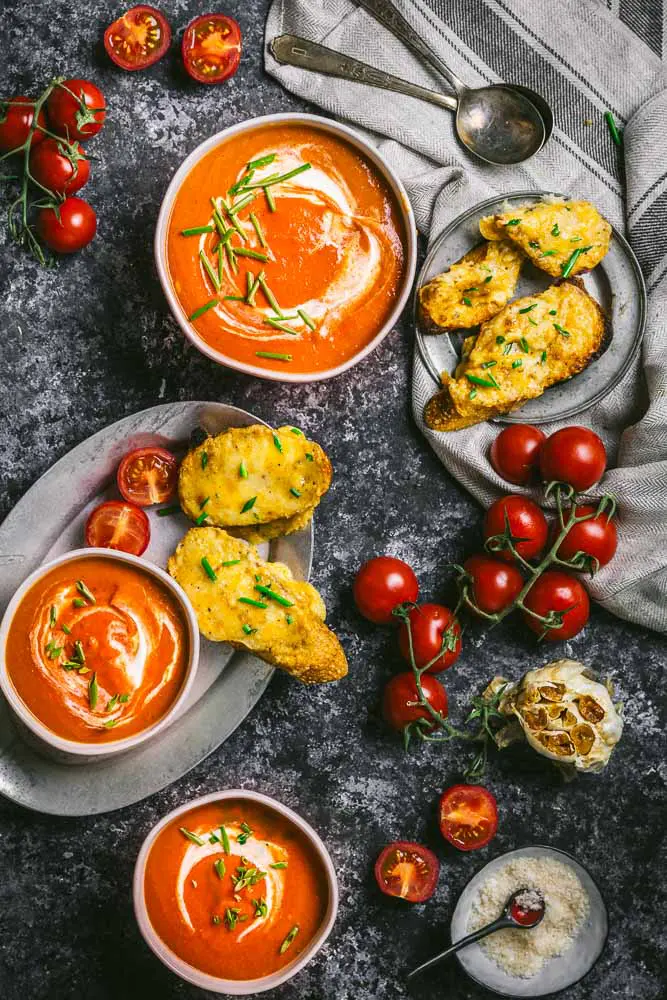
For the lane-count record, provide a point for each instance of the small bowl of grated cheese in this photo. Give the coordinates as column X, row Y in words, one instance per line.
column 542, row 960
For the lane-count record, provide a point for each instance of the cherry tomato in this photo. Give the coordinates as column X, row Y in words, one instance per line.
column 428, row 624
column 212, row 48
column 116, row 525
column 73, row 230
column 408, row 871
column 468, row 816
column 527, row 524
column 574, row 455
column 557, row 591
column 515, row 453
column 381, row 585
column 494, row 585
column 138, row 39
column 60, row 166
column 401, row 690
column 147, row 476
column 76, row 109
column 16, row 117
column 597, row 538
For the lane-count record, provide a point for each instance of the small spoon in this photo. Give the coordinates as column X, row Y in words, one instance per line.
column 515, row 914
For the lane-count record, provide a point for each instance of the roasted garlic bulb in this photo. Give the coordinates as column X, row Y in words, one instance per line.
column 562, row 712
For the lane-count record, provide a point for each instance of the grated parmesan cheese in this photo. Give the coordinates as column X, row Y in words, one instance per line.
column 523, row 953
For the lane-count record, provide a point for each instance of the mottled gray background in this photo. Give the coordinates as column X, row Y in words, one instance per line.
column 91, row 341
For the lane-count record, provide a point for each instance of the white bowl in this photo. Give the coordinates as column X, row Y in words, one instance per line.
column 394, row 184
column 72, row 751
column 233, row 987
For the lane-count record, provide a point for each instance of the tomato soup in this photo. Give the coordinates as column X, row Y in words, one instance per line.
column 97, row 650
column 235, row 889
column 311, row 218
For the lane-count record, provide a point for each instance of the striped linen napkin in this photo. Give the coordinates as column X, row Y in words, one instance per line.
column 585, row 58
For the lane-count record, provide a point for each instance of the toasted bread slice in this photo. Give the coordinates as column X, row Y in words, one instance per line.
column 284, row 627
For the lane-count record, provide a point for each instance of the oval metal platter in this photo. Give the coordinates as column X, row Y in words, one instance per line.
column 616, row 283
column 48, row 521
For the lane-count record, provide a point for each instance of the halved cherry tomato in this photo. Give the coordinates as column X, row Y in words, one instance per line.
column 16, row 117
column 116, row 525
column 212, row 48
column 400, row 694
column 494, row 585
column 60, row 166
column 468, row 816
column 596, row 538
column 407, row 871
column 428, row 624
column 574, row 455
column 147, row 476
column 381, row 585
column 138, row 39
column 527, row 525
column 515, row 453
column 76, row 109
column 557, row 591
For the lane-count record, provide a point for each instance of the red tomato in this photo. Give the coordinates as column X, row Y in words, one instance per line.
column 494, row 585
column 381, row 585
column 557, row 591
column 515, row 453
column 527, row 525
column 597, row 538
column 401, row 691
column 76, row 109
column 116, row 525
column 147, row 476
column 428, row 624
column 468, row 816
column 73, row 230
column 60, row 166
column 16, row 117
column 138, row 39
column 408, row 871
column 212, row 48
column 574, row 455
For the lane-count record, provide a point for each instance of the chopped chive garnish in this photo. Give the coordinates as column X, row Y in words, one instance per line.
column 528, row 308
column 524, row 345
column 65, row 629
column 252, row 288
column 249, row 282
column 278, row 443
column 488, row 278
column 278, row 864
column 220, row 868
column 258, row 229
column 271, row 354
column 576, row 239
column 253, row 603
column 242, row 181
column 261, row 908
column 248, row 629
column 232, row 218
column 289, row 619
column 83, row 670
column 52, row 616
column 71, row 665
column 231, row 562
column 110, row 723
column 78, row 602
column 532, row 321
column 613, row 128
column 500, row 340
column 572, row 260
column 112, row 702
column 243, row 470
column 270, row 200
column 472, row 394
column 267, row 592
column 197, row 230
column 534, row 244
column 288, row 940
column 476, row 380
column 548, row 253
column 202, row 516
column 507, row 348
column 78, row 653
column 202, row 309
column 208, row 569
column 517, row 364
column 225, row 841
column 466, row 301
column 123, row 699
column 309, row 457
column 248, row 505
column 295, row 430
column 473, row 288
column 166, row 511
column 52, row 651
column 245, row 835
column 297, row 493
column 268, row 182
column 231, row 258
column 489, row 364
column 241, row 203
column 270, row 297
column 306, row 318
column 555, row 230
column 563, row 332
column 543, row 358
column 513, row 222
column 277, row 325
column 83, row 590
column 214, row 839
column 189, row 835
column 204, row 459
column 221, row 262
column 552, row 312
column 93, row 690
column 255, row 254
column 231, row 917
column 215, row 919
column 219, row 223
column 262, row 161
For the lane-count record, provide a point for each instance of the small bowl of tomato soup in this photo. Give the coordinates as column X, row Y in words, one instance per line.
column 98, row 652
column 234, row 892
column 286, row 247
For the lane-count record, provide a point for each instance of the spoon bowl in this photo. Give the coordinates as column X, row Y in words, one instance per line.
column 500, row 124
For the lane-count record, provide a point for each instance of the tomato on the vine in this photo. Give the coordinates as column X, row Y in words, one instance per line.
column 60, row 166
column 138, row 38
column 16, row 118
column 68, row 227
column 574, row 455
column 527, row 525
column 401, row 693
column 494, row 584
column 381, row 585
column 515, row 453
column 408, row 871
column 468, row 816
column 557, row 591
column 148, row 475
column 596, row 538
column 116, row 525
column 431, row 625
column 76, row 109
column 211, row 48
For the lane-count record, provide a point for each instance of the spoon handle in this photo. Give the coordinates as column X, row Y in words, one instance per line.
column 469, row 939
column 385, row 12
column 294, row 51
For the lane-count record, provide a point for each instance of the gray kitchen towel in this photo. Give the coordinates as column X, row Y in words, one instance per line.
column 585, row 58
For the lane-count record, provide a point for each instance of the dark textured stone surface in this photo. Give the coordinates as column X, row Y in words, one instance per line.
column 91, row 341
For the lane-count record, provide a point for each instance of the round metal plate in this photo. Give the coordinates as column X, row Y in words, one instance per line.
column 49, row 520
column 616, row 283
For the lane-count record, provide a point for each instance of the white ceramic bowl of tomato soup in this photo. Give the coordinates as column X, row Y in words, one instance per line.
column 98, row 653
column 340, row 239
column 184, row 888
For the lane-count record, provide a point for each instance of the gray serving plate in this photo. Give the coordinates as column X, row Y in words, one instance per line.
column 616, row 283
column 48, row 521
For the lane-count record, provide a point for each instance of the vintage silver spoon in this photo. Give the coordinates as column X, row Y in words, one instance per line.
column 515, row 914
